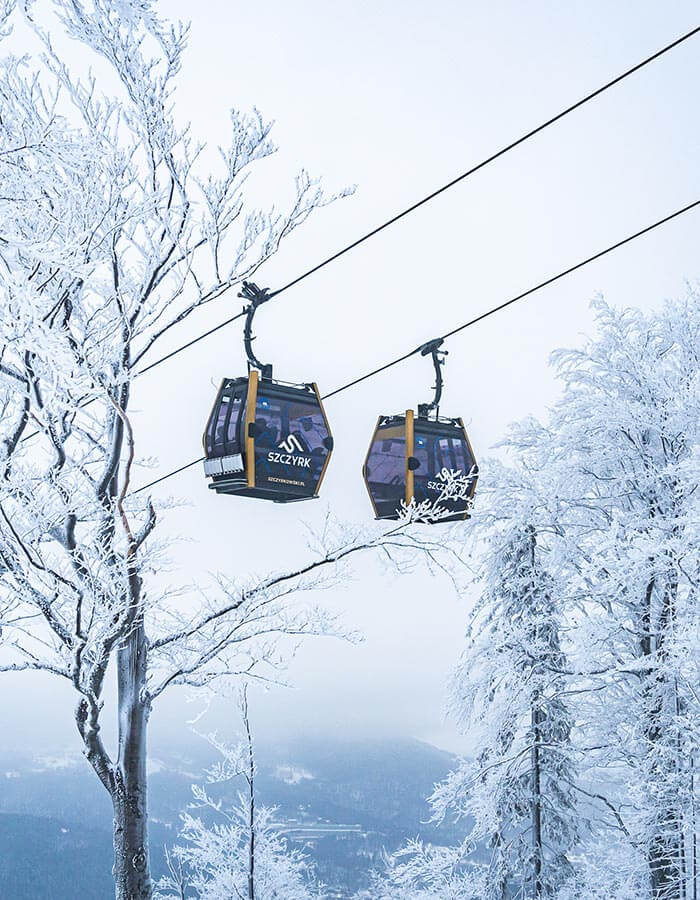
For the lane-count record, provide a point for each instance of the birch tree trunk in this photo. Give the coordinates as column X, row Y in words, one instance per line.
column 132, row 872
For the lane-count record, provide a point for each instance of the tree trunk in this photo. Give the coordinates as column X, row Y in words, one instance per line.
column 664, row 854
column 132, row 872
column 693, row 835
column 251, row 847
column 536, row 802
column 501, row 882
column 251, row 799
column 536, row 718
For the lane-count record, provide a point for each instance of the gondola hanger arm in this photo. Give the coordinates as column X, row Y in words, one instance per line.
column 432, row 348
column 256, row 297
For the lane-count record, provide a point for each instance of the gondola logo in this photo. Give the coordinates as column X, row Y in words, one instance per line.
column 453, row 484
column 289, row 458
column 291, row 444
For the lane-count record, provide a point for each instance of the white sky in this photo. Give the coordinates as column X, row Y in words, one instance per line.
column 399, row 98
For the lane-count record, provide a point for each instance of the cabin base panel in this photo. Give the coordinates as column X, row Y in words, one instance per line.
column 456, row 517
column 225, row 486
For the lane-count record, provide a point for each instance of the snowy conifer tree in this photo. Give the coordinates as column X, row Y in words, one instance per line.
column 584, row 642
column 509, row 693
column 627, row 433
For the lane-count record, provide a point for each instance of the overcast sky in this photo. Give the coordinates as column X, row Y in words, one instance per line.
column 399, row 97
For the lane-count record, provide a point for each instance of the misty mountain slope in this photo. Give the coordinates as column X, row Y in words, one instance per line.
column 343, row 802
column 46, row 859
column 384, row 783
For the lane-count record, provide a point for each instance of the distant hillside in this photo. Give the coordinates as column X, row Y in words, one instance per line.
column 345, row 802
column 46, row 859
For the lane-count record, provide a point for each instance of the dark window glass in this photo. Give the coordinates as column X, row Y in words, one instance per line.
column 224, row 431
column 217, row 424
column 386, row 469
column 307, row 427
column 224, row 407
column 289, row 444
column 436, row 452
column 424, row 452
column 465, row 461
column 233, row 429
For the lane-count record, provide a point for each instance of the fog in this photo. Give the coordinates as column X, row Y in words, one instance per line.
column 399, row 98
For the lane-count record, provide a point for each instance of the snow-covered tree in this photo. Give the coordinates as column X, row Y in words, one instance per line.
column 619, row 455
column 509, row 694
column 627, row 437
column 238, row 851
column 113, row 232
column 580, row 684
column 420, row 871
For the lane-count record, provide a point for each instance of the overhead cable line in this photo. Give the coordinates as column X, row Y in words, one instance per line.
column 441, row 190
column 474, row 321
column 522, row 296
column 419, row 203
column 196, row 340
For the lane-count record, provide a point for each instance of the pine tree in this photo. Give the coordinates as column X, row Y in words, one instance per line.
column 509, row 685
column 628, row 439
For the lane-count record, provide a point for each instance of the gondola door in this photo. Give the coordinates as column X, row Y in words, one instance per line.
column 291, row 442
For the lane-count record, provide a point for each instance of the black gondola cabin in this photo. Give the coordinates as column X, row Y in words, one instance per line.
column 267, row 439
column 413, row 458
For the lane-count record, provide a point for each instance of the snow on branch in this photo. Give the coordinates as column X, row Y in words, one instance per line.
column 235, row 630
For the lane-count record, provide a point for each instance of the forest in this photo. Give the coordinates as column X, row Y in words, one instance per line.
column 572, row 546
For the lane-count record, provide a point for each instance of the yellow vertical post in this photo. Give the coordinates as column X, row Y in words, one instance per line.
column 251, row 401
column 409, row 454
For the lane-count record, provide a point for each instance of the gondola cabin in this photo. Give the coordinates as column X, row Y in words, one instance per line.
column 267, row 439
column 416, row 458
